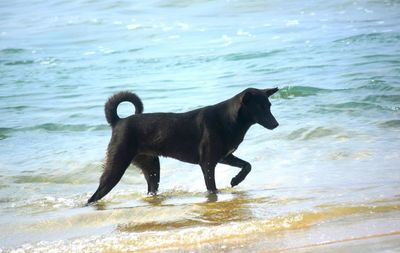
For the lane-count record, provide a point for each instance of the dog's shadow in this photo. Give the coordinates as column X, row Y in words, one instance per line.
column 226, row 207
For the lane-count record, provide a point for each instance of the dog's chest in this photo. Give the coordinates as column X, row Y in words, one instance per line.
column 230, row 151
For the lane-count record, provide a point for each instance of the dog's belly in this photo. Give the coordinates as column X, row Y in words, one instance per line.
column 182, row 141
column 183, row 149
column 189, row 158
column 170, row 135
column 184, row 155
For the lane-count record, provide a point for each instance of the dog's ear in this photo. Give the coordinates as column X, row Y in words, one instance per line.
column 246, row 97
column 270, row 92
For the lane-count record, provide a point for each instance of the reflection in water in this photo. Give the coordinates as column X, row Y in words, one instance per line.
column 232, row 207
column 100, row 205
column 156, row 200
column 185, row 220
column 219, row 212
column 212, row 197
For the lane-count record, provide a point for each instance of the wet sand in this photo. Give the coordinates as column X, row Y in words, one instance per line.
column 367, row 234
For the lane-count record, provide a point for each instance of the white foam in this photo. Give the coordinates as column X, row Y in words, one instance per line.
column 292, row 22
column 183, row 26
column 240, row 32
column 174, row 37
column 89, row 53
column 133, row 26
column 226, row 40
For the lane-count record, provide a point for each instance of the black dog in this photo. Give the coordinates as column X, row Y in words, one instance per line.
column 205, row 136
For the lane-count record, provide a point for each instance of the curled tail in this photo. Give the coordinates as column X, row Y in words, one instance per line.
column 113, row 102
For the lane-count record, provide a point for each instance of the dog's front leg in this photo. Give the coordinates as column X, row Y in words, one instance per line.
column 237, row 162
column 209, row 176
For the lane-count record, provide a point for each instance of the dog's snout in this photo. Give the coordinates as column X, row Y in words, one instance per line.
column 273, row 126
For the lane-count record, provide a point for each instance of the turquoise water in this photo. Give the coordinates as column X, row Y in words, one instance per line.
column 333, row 160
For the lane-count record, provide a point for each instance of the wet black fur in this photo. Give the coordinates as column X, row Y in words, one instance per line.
column 204, row 136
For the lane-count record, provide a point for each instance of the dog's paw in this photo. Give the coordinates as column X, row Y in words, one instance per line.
column 151, row 194
column 235, row 182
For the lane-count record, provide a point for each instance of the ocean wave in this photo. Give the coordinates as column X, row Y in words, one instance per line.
column 250, row 56
column 5, row 132
column 379, row 59
column 382, row 98
column 50, row 203
column 388, row 37
column 395, row 123
column 52, row 127
column 190, row 60
column 42, row 61
column 350, row 155
column 350, row 107
column 178, row 236
column 317, row 133
column 16, row 108
column 75, row 174
column 12, row 50
column 374, row 83
column 289, row 92
column 19, row 62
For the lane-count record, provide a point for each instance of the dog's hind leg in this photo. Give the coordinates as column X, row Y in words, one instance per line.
column 117, row 161
column 237, row 162
column 150, row 165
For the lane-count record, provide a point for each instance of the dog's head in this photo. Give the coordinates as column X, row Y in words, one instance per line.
column 257, row 108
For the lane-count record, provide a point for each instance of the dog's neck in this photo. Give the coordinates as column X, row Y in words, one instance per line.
column 235, row 122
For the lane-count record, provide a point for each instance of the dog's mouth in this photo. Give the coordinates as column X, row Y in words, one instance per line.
column 269, row 124
column 274, row 126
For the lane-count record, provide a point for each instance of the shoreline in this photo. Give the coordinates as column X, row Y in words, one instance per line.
column 321, row 238
column 364, row 232
column 338, row 243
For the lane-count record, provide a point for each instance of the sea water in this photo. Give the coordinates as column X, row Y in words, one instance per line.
column 328, row 175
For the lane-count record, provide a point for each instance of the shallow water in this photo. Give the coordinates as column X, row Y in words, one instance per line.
column 328, row 175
